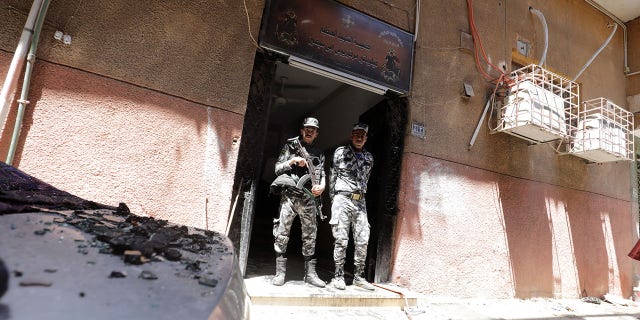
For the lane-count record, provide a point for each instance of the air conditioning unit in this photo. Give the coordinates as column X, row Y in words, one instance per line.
column 539, row 105
column 603, row 132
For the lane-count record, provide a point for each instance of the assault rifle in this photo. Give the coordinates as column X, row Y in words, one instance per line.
column 309, row 176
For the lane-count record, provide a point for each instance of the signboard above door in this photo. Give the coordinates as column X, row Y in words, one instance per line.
column 332, row 39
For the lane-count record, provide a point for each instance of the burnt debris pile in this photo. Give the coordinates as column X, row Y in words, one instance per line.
column 142, row 239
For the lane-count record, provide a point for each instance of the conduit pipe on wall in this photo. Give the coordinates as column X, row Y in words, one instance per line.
column 627, row 71
column 31, row 60
column 415, row 32
column 546, row 34
column 17, row 62
column 615, row 27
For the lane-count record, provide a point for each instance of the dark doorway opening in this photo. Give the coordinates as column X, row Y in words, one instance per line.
column 291, row 95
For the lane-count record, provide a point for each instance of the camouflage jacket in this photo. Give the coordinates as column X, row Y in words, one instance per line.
column 290, row 150
column 350, row 170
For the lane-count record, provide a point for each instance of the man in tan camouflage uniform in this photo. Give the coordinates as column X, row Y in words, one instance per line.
column 348, row 186
column 292, row 166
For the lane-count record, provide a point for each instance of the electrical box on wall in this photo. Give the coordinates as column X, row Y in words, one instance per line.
column 523, row 47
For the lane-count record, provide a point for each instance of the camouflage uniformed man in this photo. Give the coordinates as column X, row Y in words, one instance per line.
column 348, row 185
column 292, row 165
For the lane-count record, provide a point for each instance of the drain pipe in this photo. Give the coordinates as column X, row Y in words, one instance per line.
column 540, row 16
column 627, row 71
column 22, row 102
column 615, row 27
column 417, row 24
column 17, row 62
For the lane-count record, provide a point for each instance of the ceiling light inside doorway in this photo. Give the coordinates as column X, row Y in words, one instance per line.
column 336, row 75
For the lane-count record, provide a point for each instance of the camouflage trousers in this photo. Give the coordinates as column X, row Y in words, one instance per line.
column 348, row 213
column 290, row 206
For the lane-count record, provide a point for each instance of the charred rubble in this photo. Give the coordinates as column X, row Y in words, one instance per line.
column 143, row 239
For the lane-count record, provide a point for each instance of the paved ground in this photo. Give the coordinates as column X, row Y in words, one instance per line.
column 461, row 309
column 531, row 309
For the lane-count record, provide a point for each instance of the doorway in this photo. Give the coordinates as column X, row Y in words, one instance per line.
column 293, row 94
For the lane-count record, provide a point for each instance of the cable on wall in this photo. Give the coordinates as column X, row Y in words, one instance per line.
column 539, row 14
column 255, row 43
column 479, row 47
column 500, row 82
column 615, row 27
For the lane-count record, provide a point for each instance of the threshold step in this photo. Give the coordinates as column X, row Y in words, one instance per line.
column 297, row 293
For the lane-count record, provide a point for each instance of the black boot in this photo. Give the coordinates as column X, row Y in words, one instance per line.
column 281, row 269
column 310, row 275
column 359, row 280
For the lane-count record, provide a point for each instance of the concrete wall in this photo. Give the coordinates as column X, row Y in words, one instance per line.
column 145, row 106
column 505, row 218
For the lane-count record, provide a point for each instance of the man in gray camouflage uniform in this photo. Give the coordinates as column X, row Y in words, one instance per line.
column 292, row 165
column 348, row 186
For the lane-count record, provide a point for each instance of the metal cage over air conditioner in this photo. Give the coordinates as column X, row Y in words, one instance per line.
column 538, row 105
column 603, row 132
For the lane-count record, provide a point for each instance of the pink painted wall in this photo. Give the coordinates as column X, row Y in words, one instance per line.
column 110, row 142
column 468, row 232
